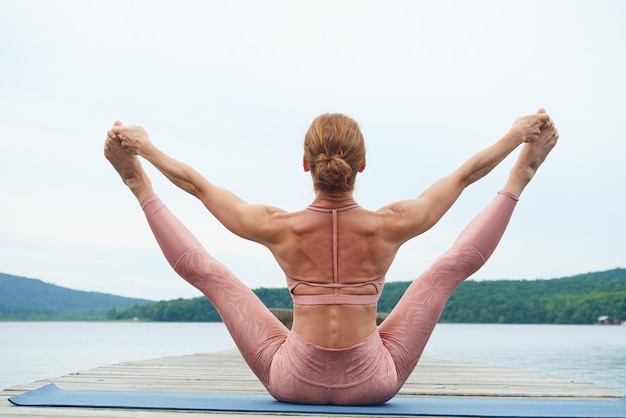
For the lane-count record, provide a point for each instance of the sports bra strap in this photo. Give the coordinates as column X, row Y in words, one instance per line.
column 328, row 210
column 335, row 244
column 336, row 298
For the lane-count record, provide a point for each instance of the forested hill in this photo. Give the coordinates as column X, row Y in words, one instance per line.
column 22, row 298
column 578, row 299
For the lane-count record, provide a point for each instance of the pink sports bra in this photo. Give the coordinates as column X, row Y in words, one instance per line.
column 335, row 298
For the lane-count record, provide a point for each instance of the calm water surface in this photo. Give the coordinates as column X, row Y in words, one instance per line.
column 590, row 353
column 31, row 351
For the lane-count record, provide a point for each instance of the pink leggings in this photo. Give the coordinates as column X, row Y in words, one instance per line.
column 295, row 370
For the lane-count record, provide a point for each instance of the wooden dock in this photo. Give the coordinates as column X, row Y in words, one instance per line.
column 227, row 372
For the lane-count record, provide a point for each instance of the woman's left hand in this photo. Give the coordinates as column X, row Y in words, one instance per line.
column 134, row 139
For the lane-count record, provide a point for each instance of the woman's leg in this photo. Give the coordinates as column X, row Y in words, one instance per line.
column 407, row 329
column 255, row 330
column 409, row 326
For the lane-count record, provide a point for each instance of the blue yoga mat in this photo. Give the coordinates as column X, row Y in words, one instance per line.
column 51, row 395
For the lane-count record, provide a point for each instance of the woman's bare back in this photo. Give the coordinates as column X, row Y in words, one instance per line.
column 305, row 253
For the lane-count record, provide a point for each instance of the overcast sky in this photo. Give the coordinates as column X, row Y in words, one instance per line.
column 230, row 88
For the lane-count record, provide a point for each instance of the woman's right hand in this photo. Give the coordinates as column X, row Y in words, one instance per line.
column 528, row 127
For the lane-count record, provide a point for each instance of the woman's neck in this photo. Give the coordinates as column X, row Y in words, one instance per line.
column 332, row 200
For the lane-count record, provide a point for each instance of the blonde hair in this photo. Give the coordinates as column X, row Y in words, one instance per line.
column 334, row 150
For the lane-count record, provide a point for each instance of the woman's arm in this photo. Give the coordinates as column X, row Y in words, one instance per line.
column 413, row 217
column 249, row 221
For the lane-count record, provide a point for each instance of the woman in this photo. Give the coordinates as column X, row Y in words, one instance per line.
column 335, row 255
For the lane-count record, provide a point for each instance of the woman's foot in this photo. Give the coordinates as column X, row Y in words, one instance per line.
column 129, row 168
column 533, row 154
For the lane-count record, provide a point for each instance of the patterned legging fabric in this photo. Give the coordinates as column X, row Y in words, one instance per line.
column 295, row 370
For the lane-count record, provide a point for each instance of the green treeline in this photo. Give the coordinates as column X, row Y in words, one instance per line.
column 19, row 313
column 579, row 299
column 195, row 309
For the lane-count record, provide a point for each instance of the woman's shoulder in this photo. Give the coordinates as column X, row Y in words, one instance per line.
column 356, row 219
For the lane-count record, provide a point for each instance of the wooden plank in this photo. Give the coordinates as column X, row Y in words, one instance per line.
column 227, row 372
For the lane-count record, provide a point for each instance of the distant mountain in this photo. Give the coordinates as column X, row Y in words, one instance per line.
column 22, row 298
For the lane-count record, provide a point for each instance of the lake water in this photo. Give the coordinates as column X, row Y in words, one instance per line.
column 31, row 351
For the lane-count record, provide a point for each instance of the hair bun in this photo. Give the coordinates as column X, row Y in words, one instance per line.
column 332, row 169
